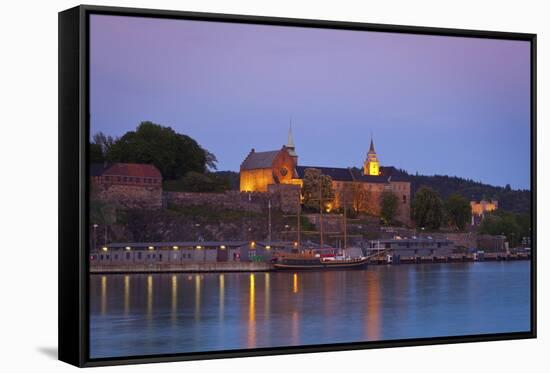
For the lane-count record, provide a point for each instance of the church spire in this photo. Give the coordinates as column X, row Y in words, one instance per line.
column 371, row 149
column 290, row 143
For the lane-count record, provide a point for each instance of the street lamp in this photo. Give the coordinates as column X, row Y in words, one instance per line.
column 94, row 236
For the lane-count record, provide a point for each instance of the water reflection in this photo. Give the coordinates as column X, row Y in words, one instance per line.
column 267, row 295
column 103, row 294
column 252, row 314
column 197, row 297
column 373, row 307
column 126, row 294
column 295, row 328
column 184, row 313
column 174, row 298
column 222, row 296
column 149, row 297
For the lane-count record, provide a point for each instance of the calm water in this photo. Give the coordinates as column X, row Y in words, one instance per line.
column 170, row 313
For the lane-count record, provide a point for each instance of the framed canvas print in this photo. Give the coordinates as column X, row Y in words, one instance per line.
column 238, row 186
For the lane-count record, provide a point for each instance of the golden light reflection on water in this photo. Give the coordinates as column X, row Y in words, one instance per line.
column 126, row 294
column 198, row 284
column 295, row 283
column 149, row 297
column 267, row 294
column 372, row 323
column 174, row 297
column 295, row 328
column 252, row 314
column 103, row 295
column 222, row 296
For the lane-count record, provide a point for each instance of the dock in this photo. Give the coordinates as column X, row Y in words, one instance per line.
column 202, row 267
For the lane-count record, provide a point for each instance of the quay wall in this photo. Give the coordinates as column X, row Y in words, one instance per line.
column 183, row 267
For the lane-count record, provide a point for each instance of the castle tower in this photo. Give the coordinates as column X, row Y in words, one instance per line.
column 371, row 165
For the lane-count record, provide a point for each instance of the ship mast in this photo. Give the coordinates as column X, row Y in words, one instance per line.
column 299, row 242
column 345, row 223
column 321, row 215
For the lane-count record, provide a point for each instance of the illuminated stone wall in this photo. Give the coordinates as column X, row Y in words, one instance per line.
column 255, row 180
column 281, row 172
column 367, row 197
column 129, row 196
column 284, row 166
column 403, row 192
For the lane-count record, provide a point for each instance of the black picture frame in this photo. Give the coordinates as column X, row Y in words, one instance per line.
column 73, row 182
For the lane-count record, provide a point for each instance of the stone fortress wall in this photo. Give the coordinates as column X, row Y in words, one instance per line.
column 130, row 196
column 283, row 197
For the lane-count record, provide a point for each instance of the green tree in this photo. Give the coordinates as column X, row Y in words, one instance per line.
column 317, row 187
column 514, row 226
column 458, row 211
column 427, row 208
column 172, row 153
column 95, row 153
column 100, row 147
column 389, row 204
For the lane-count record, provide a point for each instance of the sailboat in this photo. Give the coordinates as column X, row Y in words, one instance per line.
column 318, row 259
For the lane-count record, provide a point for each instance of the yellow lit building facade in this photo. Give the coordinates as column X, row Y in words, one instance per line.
column 360, row 189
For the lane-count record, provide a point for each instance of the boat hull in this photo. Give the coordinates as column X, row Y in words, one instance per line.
column 321, row 266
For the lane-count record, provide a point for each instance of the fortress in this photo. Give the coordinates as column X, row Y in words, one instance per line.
column 360, row 189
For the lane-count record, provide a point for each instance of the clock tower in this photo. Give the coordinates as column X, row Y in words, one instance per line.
column 371, row 165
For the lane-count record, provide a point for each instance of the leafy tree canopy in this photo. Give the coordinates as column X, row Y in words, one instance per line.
column 172, row 153
column 458, row 211
column 427, row 208
column 514, row 226
column 389, row 205
column 316, row 188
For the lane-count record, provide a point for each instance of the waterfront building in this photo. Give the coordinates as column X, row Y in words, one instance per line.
column 412, row 247
column 177, row 252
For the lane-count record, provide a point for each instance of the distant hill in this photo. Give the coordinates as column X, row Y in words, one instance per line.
column 508, row 199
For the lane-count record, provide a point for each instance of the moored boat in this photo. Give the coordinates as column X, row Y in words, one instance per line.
column 309, row 261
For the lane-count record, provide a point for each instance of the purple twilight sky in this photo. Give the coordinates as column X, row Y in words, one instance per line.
column 435, row 105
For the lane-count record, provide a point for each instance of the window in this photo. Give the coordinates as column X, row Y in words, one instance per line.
column 404, row 198
column 118, row 179
column 139, row 255
column 128, row 256
column 125, row 179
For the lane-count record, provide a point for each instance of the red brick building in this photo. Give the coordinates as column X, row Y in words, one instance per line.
column 128, row 184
